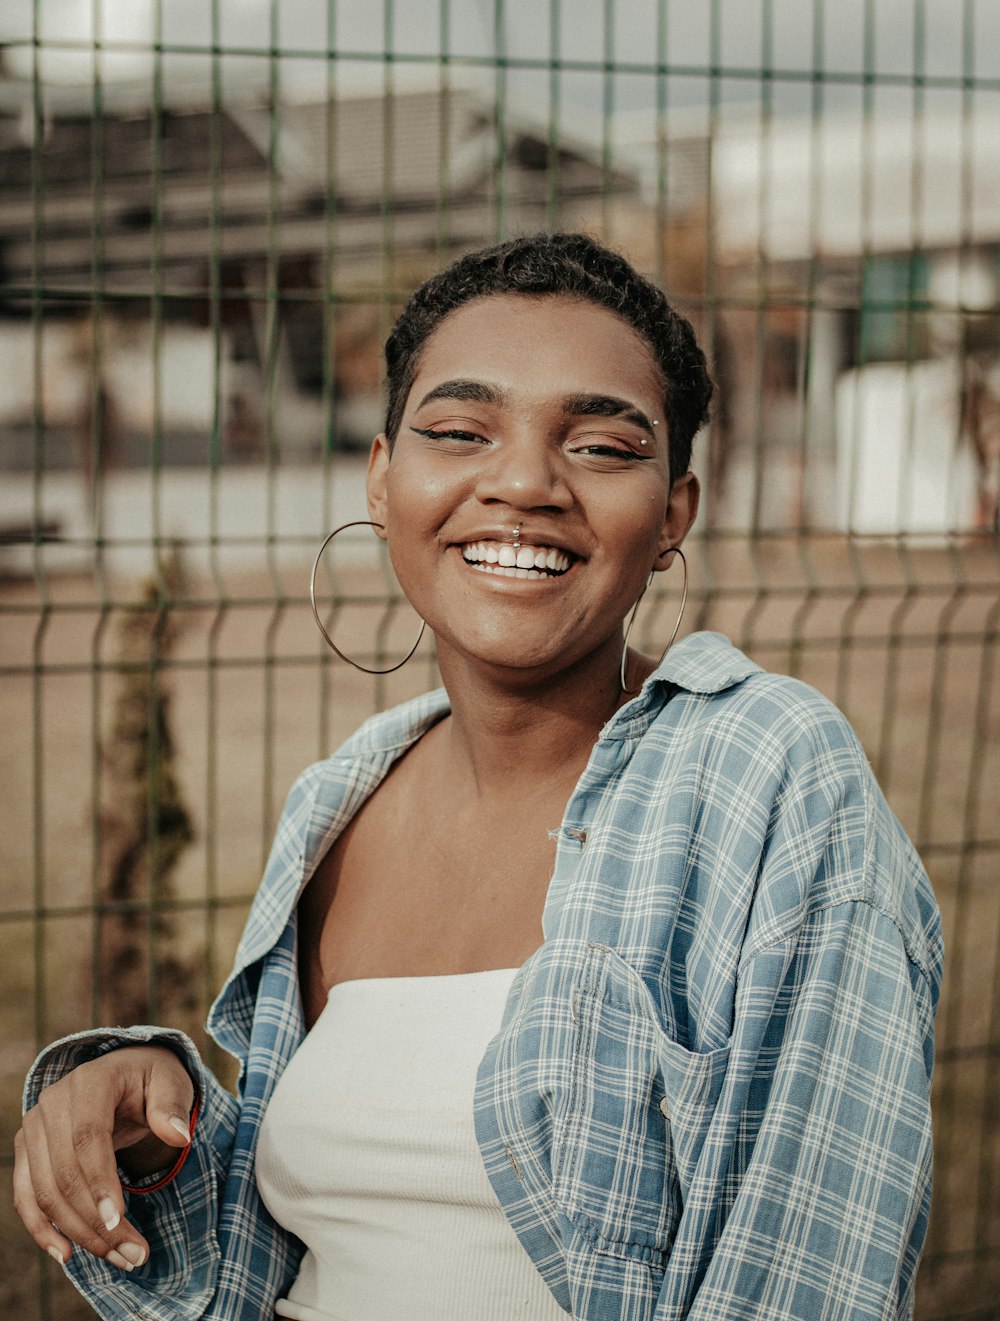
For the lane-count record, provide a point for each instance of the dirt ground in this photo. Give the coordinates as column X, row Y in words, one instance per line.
column 905, row 643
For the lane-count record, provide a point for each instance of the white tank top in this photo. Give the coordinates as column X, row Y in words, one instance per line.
column 368, row 1153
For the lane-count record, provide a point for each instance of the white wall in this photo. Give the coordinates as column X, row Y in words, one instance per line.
column 902, row 463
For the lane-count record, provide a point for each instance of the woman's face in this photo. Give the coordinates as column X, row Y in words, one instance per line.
column 542, row 414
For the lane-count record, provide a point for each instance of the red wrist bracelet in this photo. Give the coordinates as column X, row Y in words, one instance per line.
column 174, row 1170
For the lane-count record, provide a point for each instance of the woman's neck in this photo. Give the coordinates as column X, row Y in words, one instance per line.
column 510, row 734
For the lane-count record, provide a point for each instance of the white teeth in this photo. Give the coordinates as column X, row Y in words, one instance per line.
column 511, row 562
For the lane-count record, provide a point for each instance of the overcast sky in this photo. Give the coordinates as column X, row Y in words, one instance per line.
column 361, row 35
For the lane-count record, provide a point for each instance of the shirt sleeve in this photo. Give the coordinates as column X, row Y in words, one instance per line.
column 811, row 1192
column 179, row 1219
column 825, row 1207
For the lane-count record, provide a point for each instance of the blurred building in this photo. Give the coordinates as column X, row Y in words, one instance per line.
column 222, row 239
column 222, row 279
column 851, row 279
column 873, row 241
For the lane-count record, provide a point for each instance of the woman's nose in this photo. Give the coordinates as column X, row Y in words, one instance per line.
column 524, row 474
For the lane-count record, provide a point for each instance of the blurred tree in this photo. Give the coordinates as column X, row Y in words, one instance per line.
column 145, row 825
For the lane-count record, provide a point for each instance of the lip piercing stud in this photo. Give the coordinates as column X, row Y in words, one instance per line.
column 517, row 536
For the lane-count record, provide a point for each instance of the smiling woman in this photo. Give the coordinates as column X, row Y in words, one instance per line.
column 588, row 984
column 512, row 422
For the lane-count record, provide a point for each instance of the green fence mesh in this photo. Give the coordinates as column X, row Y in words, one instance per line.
column 210, row 211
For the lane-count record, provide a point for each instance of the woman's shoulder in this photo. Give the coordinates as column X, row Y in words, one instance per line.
column 779, row 754
column 737, row 703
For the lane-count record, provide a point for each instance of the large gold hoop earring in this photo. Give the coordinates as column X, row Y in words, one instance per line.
column 635, row 610
column 361, row 522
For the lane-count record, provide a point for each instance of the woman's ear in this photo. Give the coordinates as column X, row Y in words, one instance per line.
column 378, row 468
column 682, row 509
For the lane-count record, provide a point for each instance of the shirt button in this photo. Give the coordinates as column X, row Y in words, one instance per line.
column 665, row 1108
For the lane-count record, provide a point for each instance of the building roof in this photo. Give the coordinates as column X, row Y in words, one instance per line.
column 138, row 189
column 849, row 184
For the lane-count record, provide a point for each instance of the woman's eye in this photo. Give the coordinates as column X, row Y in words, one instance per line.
column 449, row 433
column 603, row 449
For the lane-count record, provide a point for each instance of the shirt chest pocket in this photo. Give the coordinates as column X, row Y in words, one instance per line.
column 635, row 1118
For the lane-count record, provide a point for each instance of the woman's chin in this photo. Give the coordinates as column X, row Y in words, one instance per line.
column 526, row 661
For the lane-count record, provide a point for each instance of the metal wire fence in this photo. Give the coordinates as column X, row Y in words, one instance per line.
column 209, row 214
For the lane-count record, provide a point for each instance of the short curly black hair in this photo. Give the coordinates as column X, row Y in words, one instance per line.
column 537, row 265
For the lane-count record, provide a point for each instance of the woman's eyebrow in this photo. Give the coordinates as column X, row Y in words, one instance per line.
column 474, row 392
column 606, row 405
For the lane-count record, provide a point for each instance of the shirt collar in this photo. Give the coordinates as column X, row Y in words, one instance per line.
column 396, row 729
column 701, row 663
column 704, row 663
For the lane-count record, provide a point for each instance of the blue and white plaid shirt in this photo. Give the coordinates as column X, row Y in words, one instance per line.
column 710, row 1094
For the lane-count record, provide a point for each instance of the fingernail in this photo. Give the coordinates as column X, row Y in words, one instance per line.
column 56, row 1255
column 182, row 1128
column 135, row 1253
column 106, row 1210
column 118, row 1260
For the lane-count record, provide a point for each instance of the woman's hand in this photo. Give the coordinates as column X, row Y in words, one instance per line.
column 135, row 1101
